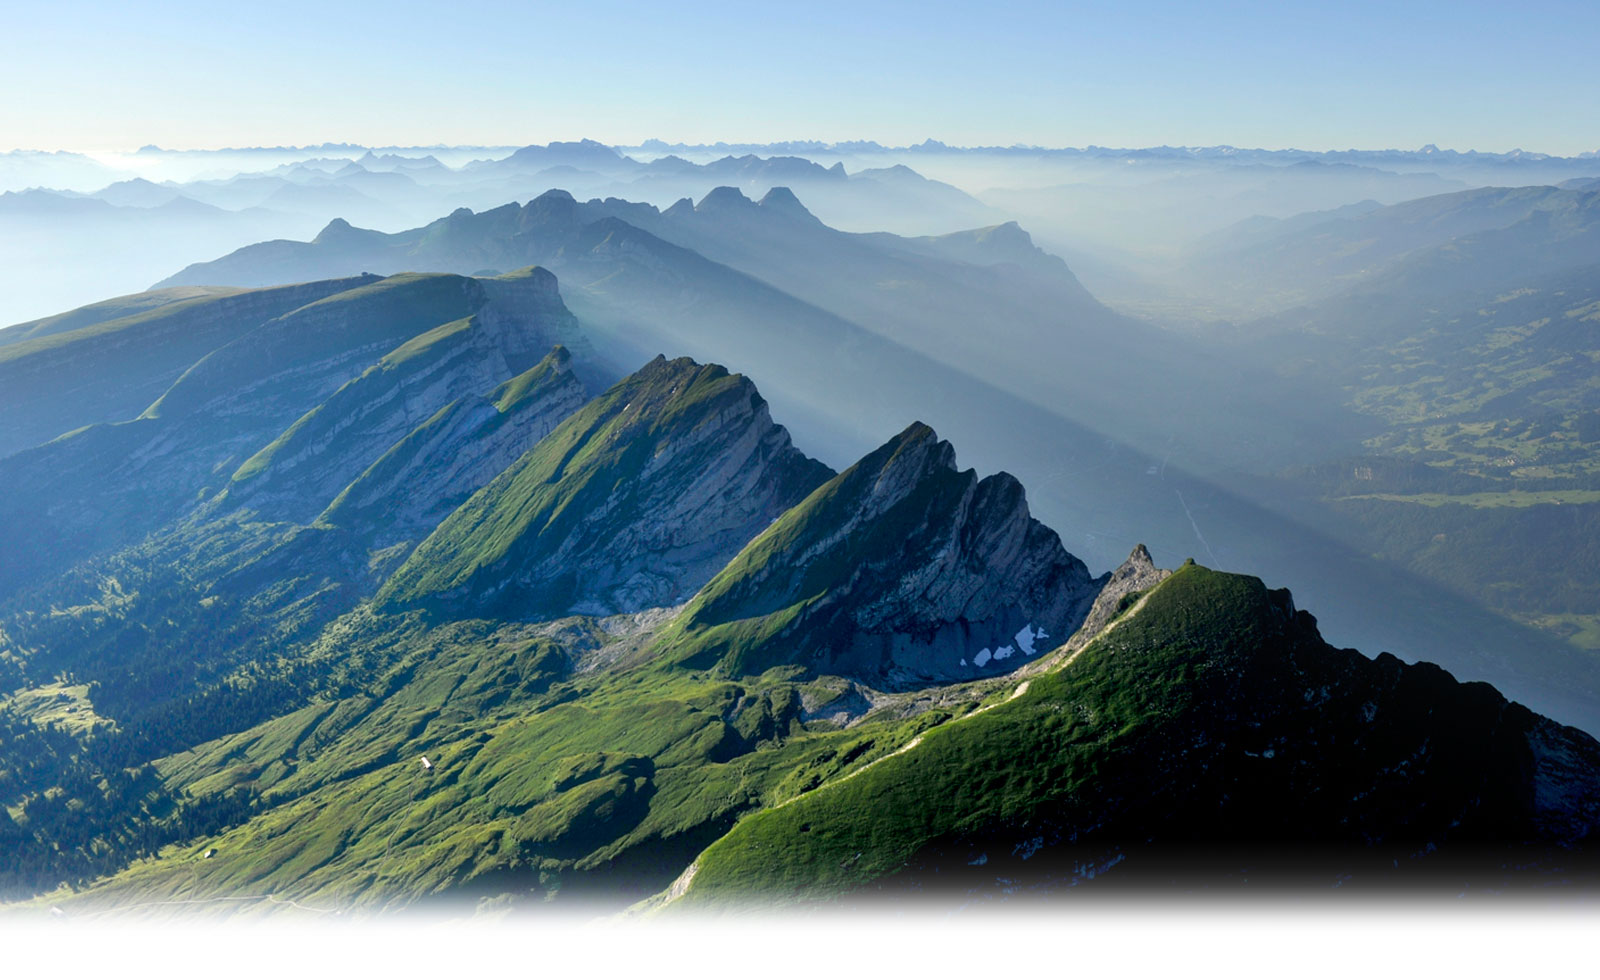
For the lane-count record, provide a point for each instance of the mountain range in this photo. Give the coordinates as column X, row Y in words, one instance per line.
column 450, row 566
column 401, row 596
column 1104, row 418
column 1426, row 250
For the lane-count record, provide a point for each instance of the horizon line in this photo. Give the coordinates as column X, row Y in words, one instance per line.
column 800, row 145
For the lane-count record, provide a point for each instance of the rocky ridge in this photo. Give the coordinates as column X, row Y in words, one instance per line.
column 901, row 571
column 633, row 502
column 305, row 468
column 435, row 467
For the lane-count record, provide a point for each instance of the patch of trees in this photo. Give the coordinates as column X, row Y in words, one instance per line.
column 1530, row 560
column 1589, row 428
column 81, row 815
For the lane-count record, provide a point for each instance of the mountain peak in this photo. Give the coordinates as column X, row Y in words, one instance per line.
column 724, row 198
column 339, row 231
column 901, row 570
column 553, row 207
column 634, row 501
column 782, row 200
column 1135, row 576
column 582, row 153
column 554, row 194
column 909, row 458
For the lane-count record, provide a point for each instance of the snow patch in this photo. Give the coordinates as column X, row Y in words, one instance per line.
column 1028, row 848
column 982, row 657
column 1002, row 653
column 1024, row 640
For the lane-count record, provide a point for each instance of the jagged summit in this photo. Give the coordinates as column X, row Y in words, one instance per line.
column 902, row 570
column 633, row 502
column 1126, row 584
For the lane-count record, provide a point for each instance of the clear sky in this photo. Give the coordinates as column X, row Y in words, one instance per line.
column 85, row 75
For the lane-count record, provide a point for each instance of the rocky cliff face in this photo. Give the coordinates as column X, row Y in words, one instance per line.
column 902, row 570
column 1126, row 584
column 438, row 465
column 515, row 321
column 633, row 502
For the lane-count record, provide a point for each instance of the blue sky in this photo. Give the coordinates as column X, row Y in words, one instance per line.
column 1465, row 75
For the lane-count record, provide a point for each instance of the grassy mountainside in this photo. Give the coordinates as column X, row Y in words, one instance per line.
column 566, row 769
column 111, row 309
column 434, row 468
column 635, row 500
column 107, row 369
column 382, row 527
column 548, row 781
column 107, row 485
column 164, row 608
column 840, row 387
column 1210, row 715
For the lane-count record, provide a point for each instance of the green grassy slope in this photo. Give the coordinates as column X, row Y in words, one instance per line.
column 326, row 429
column 581, row 486
column 130, row 580
column 377, row 315
column 110, row 370
column 111, row 309
column 544, row 784
column 1212, row 713
column 569, row 765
